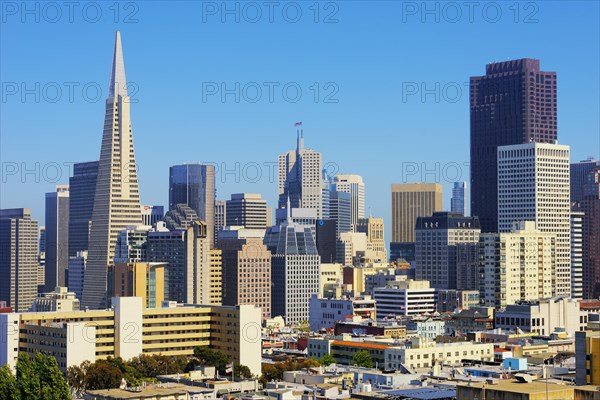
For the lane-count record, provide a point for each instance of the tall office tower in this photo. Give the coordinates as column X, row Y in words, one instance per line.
column 41, row 275
column 579, row 175
column 194, row 185
column 300, row 178
column 294, row 269
column 77, row 264
column 516, row 265
column 374, row 229
column 577, row 254
column 340, row 210
column 188, row 257
column 458, row 202
column 220, row 218
column 57, row 238
column 409, row 201
column 436, row 253
column 246, row 268
column 152, row 214
column 216, row 277
column 325, row 190
column 354, row 185
column 326, row 238
column 513, row 103
column 18, row 258
column 533, row 185
column 82, row 188
column 247, row 210
column 590, row 206
column 117, row 197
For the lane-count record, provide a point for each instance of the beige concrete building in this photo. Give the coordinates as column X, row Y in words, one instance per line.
column 246, row 268
column 129, row 329
column 409, row 201
column 353, row 184
column 58, row 300
column 375, row 230
column 18, row 258
column 216, row 277
column 248, row 210
column 516, row 265
column 117, row 198
column 534, row 185
column 330, row 278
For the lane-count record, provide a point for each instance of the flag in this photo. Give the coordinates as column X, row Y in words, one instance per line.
column 298, row 124
column 229, row 368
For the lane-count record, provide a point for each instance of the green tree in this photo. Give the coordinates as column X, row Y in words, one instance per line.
column 362, row 359
column 327, row 359
column 52, row 384
column 271, row 372
column 77, row 377
column 102, row 375
column 8, row 385
column 242, row 371
column 28, row 382
column 214, row 358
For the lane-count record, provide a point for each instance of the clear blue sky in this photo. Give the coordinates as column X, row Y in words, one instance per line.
column 373, row 54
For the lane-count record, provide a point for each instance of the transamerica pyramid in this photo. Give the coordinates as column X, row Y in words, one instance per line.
column 117, row 198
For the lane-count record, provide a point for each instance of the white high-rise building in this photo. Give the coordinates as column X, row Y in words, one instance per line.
column 533, row 185
column 354, row 185
column 117, row 199
column 300, row 178
column 516, row 265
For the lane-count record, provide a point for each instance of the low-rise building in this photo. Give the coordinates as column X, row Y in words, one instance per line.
column 404, row 298
column 474, row 319
column 59, row 300
column 324, row 313
column 128, row 330
column 388, row 329
column 543, row 316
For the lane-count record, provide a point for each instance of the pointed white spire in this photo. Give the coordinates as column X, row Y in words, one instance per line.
column 117, row 86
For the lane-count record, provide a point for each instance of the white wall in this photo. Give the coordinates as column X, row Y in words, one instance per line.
column 128, row 326
column 9, row 340
column 250, row 338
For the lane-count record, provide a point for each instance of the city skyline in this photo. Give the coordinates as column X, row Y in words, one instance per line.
column 325, row 128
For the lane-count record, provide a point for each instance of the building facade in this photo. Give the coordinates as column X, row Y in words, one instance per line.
column 299, row 178
column 117, row 197
column 577, row 218
column 194, row 186
column 445, row 243
column 18, row 258
column 354, row 185
column 375, row 230
column 152, row 214
column 513, row 103
column 533, row 185
column 247, row 210
column 82, row 189
column 57, row 238
column 516, row 265
column 404, row 298
column 409, row 201
column 458, row 202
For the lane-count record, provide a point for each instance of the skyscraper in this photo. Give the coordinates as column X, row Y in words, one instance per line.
column 513, row 103
column 194, row 185
column 438, row 239
column 590, row 206
column 354, row 185
column 374, row 229
column 579, row 176
column 57, row 238
column 246, row 268
column 294, row 269
column 300, row 178
column 117, row 197
column 409, row 201
column 458, row 202
column 18, row 258
column 340, row 210
column 533, row 185
column 577, row 254
column 247, row 210
column 82, row 188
